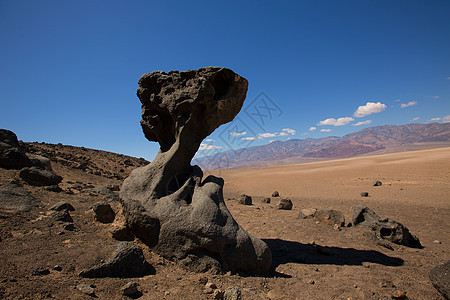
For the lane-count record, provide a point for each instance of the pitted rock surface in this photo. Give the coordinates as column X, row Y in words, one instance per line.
column 168, row 204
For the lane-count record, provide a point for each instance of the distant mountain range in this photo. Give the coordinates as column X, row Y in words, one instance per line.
column 364, row 141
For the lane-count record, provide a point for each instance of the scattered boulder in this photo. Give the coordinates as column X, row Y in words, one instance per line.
column 130, row 289
column 11, row 156
column 330, row 217
column 364, row 194
column 62, row 205
column 62, row 215
column 385, row 228
column 307, row 213
column 87, row 289
column 38, row 177
column 244, row 199
column 232, row 293
column 41, row 162
column 266, row 200
column 377, row 183
column 107, row 193
column 53, row 188
column 127, row 261
column 285, row 204
column 275, row 194
column 103, row 212
column 40, row 270
column 122, row 233
column 398, row 294
column 440, row 278
column 16, row 197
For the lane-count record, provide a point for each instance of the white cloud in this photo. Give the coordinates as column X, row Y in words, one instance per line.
column 267, row 134
column 283, row 134
column 250, row 138
column 446, row 119
column 367, row 122
column 325, row 130
column 397, row 100
column 338, row 122
column 289, row 130
column 209, row 140
column 436, row 97
column 312, row 128
column 410, row 103
column 415, row 119
column 369, row 108
column 435, row 119
column 208, row 147
column 238, row 133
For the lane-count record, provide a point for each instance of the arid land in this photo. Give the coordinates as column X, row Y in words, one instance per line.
column 415, row 192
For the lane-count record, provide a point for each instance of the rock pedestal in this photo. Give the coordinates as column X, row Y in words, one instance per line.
column 168, row 204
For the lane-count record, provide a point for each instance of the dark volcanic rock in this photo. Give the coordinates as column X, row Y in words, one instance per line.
column 41, row 162
column 364, row 194
column 15, row 197
column 330, row 217
column 62, row 215
column 377, row 183
column 11, row 156
column 126, row 261
column 285, row 204
column 275, row 194
column 266, row 200
column 167, row 203
column 122, row 234
column 244, row 199
column 440, row 278
column 385, row 228
column 38, row 177
column 62, row 205
column 103, row 212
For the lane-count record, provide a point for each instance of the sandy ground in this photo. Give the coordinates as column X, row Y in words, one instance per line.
column 415, row 192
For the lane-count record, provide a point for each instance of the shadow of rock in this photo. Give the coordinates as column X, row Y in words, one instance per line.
column 294, row 252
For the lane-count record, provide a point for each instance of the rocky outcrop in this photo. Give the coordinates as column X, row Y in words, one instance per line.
column 127, row 261
column 15, row 197
column 384, row 228
column 168, row 204
column 11, row 156
column 39, row 177
column 440, row 278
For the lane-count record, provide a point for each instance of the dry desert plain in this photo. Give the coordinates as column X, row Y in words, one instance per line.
column 310, row 260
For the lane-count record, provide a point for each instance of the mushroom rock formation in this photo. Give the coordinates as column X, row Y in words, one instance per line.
column 166, row 203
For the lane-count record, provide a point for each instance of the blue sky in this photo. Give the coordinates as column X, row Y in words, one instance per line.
column 69, row 69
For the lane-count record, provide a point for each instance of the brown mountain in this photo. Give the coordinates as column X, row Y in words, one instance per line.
column 364, row 141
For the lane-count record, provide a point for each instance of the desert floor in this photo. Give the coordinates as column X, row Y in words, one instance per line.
column 415, row 192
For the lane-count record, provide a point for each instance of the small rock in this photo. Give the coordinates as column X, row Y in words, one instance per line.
column 232, row 293
column 62, row 215
column 122, row 233
column 103, row 212
column 203, row 280
column 208, row 290
column 398, row 294
column 87, row 289
column 245, row 199
column 69, row 226
column 40, row 270
column 57, row 268
column 377, row 183
column 364, row 194
column 266, row 200
column 218, row 294
column 285, row 204
column 437, row 242
column 53, row 188
column 62, row 205
column 68, row 191
column 307, row 213
column 311, row 281
column 130, row 289
column 211, row 285
column 275, row 194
